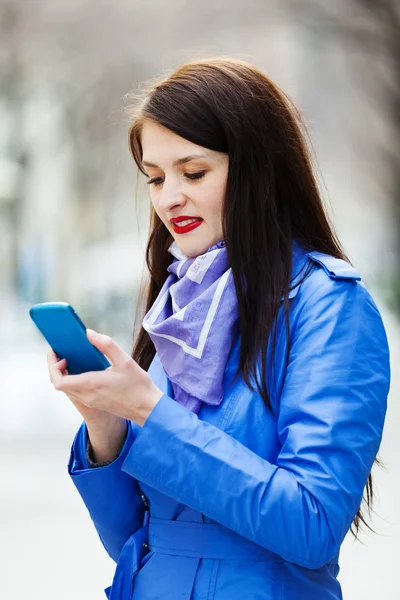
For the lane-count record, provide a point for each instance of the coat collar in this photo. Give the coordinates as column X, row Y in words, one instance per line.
column 335, row 268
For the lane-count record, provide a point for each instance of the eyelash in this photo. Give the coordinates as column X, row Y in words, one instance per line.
column 192, row 176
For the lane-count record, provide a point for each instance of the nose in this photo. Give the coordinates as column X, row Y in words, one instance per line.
column 171, row 197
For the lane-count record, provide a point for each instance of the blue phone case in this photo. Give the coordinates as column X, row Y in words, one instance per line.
column 66, row 334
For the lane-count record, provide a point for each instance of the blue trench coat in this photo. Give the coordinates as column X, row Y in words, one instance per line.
column 241, row 502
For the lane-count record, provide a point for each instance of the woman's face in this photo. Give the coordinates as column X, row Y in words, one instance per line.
column 186, row 180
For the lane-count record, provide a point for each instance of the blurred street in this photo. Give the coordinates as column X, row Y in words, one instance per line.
column 49, row 548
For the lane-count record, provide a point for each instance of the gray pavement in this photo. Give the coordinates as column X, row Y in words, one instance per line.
column 49, row 548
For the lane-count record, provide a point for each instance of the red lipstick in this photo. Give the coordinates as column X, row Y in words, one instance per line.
column 195, row 222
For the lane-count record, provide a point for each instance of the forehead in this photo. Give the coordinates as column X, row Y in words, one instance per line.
column 158, row 141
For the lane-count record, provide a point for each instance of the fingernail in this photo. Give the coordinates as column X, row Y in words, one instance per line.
column 91, row 332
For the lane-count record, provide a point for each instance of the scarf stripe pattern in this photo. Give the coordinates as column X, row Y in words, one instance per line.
column 192, row 324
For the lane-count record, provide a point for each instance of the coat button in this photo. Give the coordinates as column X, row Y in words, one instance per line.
column 145, row 545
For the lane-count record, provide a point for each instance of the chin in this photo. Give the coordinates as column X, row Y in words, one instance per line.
column 192, row 249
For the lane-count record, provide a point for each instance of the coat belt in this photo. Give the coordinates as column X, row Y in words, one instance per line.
column 201, row 540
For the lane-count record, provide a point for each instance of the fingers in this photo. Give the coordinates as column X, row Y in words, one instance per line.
column 83, row 383
column 56, row 367
column 52, row 357
column 88, row 382
column 54, row 363
column 106, row 344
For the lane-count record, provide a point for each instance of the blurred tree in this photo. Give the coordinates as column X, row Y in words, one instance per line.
column 370, row 29
column 11, row 69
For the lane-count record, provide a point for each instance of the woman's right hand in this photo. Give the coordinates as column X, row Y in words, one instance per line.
column 106, row 431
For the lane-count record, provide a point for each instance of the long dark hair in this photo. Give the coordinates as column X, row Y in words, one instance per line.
column 272, row 196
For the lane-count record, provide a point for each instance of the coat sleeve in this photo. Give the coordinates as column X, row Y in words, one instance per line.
column 330, row 421
column 111, row 496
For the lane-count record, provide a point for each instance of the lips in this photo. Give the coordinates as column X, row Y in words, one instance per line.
column 185, row 224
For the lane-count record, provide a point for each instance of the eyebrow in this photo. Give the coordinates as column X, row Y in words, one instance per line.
column 180, row 161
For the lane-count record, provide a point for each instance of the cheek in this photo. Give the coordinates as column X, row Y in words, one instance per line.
column 154, row 205
column 216, row 198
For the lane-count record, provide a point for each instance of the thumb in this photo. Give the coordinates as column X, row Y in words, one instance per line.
column 106, row 344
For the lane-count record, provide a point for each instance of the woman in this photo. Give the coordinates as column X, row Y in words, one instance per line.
column 228, row 456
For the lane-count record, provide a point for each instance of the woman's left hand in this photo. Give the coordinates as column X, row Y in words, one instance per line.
column 123, row 389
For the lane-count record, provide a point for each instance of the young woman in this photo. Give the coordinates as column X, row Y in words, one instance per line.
column 227, row 458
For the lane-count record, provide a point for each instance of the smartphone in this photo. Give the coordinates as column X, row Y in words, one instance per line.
column 66, row 334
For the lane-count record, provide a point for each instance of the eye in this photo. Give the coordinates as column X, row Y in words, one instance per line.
column 158, row 181
column 198, row 175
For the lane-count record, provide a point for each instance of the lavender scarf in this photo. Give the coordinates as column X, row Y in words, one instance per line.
column 192, row 324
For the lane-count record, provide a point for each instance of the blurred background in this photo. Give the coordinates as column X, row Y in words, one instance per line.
column 74, row 223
